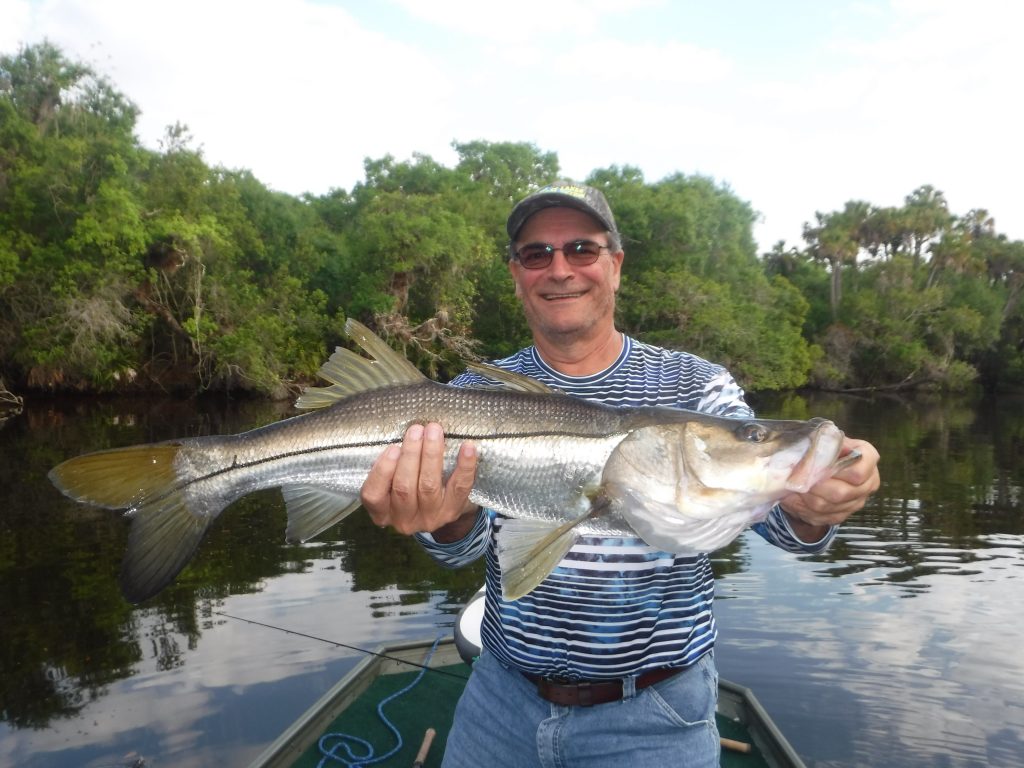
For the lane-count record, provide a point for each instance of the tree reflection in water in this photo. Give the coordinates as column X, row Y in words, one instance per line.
column 950, row 505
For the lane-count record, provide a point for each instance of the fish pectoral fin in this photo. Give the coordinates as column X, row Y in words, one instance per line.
column 350, row 373
column 529, row 550
column 312, row 509
column 509, row 379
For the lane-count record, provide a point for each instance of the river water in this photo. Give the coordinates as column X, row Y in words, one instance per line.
column 902, row 646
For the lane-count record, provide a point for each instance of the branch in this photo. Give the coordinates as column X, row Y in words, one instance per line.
column 10, row 403
column 434, row 330
column 910, row 382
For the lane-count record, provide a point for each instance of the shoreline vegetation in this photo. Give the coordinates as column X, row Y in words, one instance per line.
column 132, row 271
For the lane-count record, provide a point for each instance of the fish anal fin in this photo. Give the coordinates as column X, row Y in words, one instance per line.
column 350, row 373
column 529, row 550
column 313, row 509
column 509, row 379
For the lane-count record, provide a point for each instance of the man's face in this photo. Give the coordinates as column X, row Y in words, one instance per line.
column 564, row 303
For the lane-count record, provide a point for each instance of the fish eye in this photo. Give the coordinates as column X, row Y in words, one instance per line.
column 753, row 432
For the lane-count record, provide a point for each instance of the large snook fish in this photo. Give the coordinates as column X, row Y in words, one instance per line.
column 557, row 466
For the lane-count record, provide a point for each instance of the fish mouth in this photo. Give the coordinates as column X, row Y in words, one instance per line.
column 819, row 459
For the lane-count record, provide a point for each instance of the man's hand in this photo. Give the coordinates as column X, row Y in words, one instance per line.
column 833, row 500
column 406, row 489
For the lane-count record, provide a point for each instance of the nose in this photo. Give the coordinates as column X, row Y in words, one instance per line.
column 559, row 264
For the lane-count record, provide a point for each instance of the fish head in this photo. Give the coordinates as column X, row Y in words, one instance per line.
column 693, row 485
column 761, row 457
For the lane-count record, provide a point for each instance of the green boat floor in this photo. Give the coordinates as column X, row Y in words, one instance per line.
column 430, row 704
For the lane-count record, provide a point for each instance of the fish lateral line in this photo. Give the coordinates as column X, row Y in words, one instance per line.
column 180, row 484
column 479, row 438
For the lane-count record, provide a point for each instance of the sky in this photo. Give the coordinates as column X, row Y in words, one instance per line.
column 796, row 106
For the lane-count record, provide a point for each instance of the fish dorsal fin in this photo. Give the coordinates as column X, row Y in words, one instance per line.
column 350, row 373
column 529, row 550
column 509, row 379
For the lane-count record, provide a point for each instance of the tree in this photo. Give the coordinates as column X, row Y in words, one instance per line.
column 73, row 229
column 409, row 272
column 835, row 241
column 927, row 217
column 490, row 178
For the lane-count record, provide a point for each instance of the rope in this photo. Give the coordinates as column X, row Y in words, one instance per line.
column 330, row 743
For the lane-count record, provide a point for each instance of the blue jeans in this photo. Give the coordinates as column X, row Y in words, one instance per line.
column 501, row 722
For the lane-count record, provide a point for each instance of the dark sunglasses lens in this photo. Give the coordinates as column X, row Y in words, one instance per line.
column 536, row 256
column 582, row 252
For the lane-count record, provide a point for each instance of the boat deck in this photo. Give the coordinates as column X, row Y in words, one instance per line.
column 349, row 712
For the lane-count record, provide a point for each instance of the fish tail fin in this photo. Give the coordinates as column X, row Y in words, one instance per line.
column 142, row 479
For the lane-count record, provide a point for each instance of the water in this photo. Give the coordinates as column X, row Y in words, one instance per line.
column 899, row 647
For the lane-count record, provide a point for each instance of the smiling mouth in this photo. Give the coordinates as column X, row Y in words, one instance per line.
column 561, row 296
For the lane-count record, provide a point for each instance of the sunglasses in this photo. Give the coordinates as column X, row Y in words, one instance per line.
column 579, row 253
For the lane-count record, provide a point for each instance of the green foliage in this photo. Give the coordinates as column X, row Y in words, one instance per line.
column 916, row 308
column 681, row 221
column 755, row 332
column 125, row 269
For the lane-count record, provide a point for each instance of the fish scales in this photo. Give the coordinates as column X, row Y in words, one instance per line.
column 517, row 434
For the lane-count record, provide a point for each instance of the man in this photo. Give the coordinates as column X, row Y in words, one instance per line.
column 609, row 661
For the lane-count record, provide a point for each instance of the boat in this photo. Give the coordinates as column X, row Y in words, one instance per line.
column 396, row 706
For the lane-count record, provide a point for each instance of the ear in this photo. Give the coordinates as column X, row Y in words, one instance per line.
column 617, row 269
column 513, row 269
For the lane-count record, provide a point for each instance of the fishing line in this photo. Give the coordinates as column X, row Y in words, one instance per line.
column 424, row 666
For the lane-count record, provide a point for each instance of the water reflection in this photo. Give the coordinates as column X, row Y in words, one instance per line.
column 900, row 646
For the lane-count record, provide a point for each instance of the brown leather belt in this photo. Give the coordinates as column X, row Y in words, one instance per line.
column 586, row 693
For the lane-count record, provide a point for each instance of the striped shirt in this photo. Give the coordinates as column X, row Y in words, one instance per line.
column 614, row 606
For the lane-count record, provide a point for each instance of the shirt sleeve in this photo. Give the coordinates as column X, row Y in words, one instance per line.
column 722, row 396
column 775, row 529
column 456, row 554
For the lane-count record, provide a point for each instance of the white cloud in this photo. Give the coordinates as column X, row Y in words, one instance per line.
column 298, row 92
column 867, row 101
column 517, row 24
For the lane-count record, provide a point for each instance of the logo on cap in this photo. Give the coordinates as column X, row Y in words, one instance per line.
column 572, row 190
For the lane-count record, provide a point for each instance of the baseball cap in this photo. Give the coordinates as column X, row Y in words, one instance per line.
column 566, row 194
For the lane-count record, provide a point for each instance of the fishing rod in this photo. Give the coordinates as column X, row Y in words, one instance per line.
column 340, row 644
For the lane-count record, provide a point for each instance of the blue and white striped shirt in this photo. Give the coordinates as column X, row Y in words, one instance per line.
column 614, row 606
